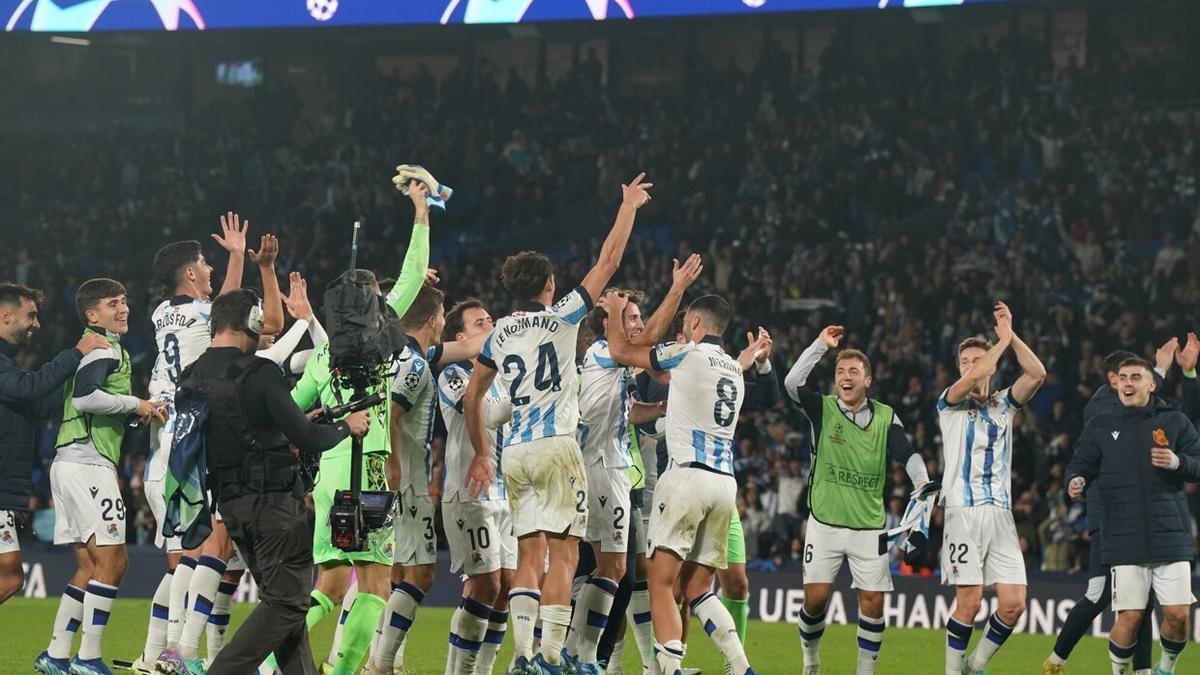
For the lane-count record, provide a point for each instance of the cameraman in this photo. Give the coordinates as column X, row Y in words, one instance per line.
column 257, row 482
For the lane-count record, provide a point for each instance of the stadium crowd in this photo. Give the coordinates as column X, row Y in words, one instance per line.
column 900, row 198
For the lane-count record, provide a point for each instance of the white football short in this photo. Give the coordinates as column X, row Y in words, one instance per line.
column 608, row 508
column 980, row 547
column 8, row 533
column 547, row 487
column 1171, row 582
column 690, row 515
column 480, row 536
column 826, row 546
column 416, row 540
column 87, row 503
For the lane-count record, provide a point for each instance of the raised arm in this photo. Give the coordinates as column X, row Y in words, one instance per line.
column 1033, row 372
column 264, row 258
column 682, row 277
column 762, row 385
column 233, row 239
column 797, row 378
column 634, row 196
column 1186, row 358
column 455, row 351
column 634, row 356
column 416, row 259
column 985, row 366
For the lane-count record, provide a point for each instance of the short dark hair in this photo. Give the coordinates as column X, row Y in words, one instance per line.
column 1114, row 361
column 424, row 306
column 92, row 292
column 715, row 309
column 12, row 294
column 525, row 274
column 231, row 310
column 172, row 258
column 1139, row 362
column 454, row 317
column 974, row 342
column 595, row 318
column 852, row 354
column 677, row 324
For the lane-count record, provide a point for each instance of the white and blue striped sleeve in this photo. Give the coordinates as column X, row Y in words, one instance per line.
column 943, row 405
column 668, row 356
column 486, row 355
column 406, row 387
column 602, row 356
column 451, row 386
column 574, row 306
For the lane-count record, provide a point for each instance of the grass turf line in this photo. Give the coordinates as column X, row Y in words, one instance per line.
column 774, row 648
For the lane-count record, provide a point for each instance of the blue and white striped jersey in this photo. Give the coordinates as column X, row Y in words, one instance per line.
column 702, row 407
column 451, row 386
column 412, row 390
column 532, row 351
column 605, row 399
column 182, row 331
column 977, row 450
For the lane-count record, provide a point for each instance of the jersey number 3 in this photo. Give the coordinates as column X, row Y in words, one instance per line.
column 545, row 377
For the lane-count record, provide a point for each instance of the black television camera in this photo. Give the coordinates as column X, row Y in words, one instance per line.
column 364, row 336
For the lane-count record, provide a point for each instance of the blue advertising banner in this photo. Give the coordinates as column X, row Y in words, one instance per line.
column 157, row 15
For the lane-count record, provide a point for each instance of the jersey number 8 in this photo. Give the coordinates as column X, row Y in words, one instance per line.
column 725, row 409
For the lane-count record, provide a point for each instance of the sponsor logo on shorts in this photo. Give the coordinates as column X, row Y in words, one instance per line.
column 94, row 490
column 603, row 500
column 412, row 511
column 461, row 523
column 853, row 479
column 661, row 506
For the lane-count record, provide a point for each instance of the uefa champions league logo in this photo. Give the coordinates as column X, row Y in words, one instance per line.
column 79, row 17
column 322, row 10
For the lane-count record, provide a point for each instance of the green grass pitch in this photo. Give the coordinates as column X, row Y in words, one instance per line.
column 774, row 649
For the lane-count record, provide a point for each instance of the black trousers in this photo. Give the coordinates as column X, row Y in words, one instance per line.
column 274, row 533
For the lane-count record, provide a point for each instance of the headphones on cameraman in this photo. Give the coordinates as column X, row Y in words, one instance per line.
column 256, row 317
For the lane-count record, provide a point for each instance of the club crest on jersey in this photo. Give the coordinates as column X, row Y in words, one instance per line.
column 477, row 558
column 6, row 537
column 618, row 538
column 429, row 548
column 112, row 529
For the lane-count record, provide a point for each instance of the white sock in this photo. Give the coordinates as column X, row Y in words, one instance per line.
column 468, row 627
column 1171, row 649
column 555, row 621
column 97, row 605
column 958, row 636
column 523, row 605
column 571, row 643
column 870, row 639
column 66, row 623
column 997, row 633
column 719, row 625
column 591, row 616
column 497, row 625
column 401, row 608
column 218, row 620
column 1121, row 658
column 1056, row 659
column 202, row 592
column 177, row 609
column 811, row 630
column 669, row 657
column 156, row 632
column 347, row 604
column 638, row 615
